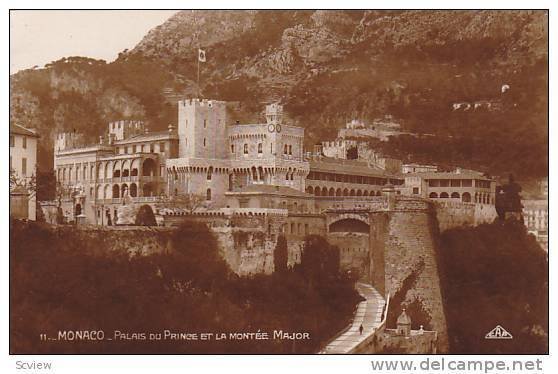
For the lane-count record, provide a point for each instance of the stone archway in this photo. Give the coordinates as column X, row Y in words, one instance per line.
column 149, row 168
column 349, row 225
column 351, row 234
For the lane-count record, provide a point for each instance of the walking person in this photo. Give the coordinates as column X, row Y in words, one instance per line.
column 361, row 328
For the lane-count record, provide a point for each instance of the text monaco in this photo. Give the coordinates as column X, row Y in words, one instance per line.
column 98, row 335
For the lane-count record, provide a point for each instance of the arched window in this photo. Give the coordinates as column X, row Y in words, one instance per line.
column 466, row 197
column 444, row 195
column 286, row 149
column 115, row 191
column 133, row 190
column 245, row 148
column 290, row 149
column 260, row 148
column 209, row 173
column 455, row 195
column 208, row 194
column 204, row 142
column 433, row 195
column 149, row 168
column 124, row 190
column 232, row 148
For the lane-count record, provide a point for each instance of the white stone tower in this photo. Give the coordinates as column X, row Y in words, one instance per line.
column 274, row 113
column 202, row 126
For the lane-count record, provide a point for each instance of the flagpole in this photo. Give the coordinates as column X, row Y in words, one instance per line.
column 199, row 95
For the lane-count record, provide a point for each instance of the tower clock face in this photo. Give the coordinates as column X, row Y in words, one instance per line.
column 278, row 128
column 271, row 128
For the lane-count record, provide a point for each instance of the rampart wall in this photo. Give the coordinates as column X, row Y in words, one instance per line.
column 452, row 214
column 403, row 244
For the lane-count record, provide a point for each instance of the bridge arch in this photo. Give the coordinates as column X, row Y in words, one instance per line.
column 349, row 222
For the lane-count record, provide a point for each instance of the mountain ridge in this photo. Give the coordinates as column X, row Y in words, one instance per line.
column 326, row 67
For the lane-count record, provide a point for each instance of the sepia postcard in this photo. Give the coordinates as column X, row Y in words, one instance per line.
column 279, row 182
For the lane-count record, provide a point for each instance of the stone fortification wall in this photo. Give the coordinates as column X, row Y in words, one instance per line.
column 115, row 239
column 452, row 214
column 406, row 237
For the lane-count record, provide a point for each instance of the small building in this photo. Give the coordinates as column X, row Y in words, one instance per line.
column 418, row 168
column 535, row 217
column 23, row 166
column 404, row 324
column 461, row 185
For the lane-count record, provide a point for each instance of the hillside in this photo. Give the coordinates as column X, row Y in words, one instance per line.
column 327, row 67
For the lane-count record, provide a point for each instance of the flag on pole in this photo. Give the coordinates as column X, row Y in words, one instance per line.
column 201, row 55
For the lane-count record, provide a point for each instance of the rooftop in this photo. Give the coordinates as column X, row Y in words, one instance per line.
column 20, row 130
column 342, row 166
column 148, row 136
column 463, row 174
column 403, row 319
column 268, row 189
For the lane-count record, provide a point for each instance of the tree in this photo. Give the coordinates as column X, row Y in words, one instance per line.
column 62, row 192
column 197, row 256
column 46, row 185
column 494, row 274
column 280, row 255
column 187, row 201
column 28, row 183
column 319, row 258
column 145, row 216
column 508, row 199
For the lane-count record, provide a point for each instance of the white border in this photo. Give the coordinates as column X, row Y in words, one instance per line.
column 248, row 364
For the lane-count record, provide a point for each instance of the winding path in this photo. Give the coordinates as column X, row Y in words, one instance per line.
column 368, row 314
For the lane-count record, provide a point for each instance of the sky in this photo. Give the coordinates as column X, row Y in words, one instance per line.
column 38, row 37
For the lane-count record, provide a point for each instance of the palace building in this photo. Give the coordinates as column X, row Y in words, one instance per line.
column 127, row 162
column 232, row 166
